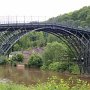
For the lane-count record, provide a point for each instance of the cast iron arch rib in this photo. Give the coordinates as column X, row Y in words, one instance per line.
column 80, row 38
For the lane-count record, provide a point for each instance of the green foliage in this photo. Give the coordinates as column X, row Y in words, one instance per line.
column 35, row 61
column 34, row 39
column 57, row 57
column 13, row 63
column 18, row 58
column 44, row 67
column 3, row 60
column 77, row 18
column 74, row 69
column 52, row 84
column 55, row 66
column 51, row 38
column 16, row 47
column 63, row 66
column 12, row 86
column 62, row 84
column 54, row 52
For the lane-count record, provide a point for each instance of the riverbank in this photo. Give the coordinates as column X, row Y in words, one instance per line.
column 52, row 84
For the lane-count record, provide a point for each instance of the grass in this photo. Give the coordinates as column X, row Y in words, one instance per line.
column 6, row 86
column 52, row 84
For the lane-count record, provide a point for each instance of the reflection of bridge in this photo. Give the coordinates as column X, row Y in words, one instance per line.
column 77, row 40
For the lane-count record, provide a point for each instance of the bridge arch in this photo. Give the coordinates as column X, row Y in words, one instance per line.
column 76, row 39
column 24, row 32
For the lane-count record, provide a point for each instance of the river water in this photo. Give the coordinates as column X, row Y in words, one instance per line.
column 31, row 76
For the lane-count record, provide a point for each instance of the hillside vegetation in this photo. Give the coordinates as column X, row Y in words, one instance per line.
column 77, row 18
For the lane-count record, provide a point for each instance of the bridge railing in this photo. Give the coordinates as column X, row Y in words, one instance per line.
column 37, row 19
column 21, row 19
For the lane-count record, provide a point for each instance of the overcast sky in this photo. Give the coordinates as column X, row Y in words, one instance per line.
column 44, row 8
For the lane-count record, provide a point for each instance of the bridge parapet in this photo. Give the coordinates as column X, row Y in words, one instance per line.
column 27, row 20
column 21, row 19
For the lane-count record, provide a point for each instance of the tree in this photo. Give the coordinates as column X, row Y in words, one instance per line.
column 80, row 17
column 35, row 61
column 55, row 52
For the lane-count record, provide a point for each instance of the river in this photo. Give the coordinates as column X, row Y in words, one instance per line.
column 31, row 76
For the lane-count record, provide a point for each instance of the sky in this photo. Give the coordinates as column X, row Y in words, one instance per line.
column 39, row 9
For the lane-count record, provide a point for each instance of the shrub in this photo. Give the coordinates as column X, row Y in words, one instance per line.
column 35, row 61
column 74, row 69
column 64, row 67
column 59, row 66
column 3, row 60
column 44, row 67
column 18, row 58
column 15, row 59
column 55, row 66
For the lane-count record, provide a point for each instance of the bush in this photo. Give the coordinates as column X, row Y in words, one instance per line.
column 55, row 66
column 18, row 58
column 35, row 61
column 74, row 69
column 64, row 67
column 44, row 67
column 59, row 66
column 15, row 59
column 3, row 60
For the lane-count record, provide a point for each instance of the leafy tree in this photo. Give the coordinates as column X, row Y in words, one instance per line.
column 34, row 39
column 88, row 19
column 51, row 38
column 55, row 52
column 35, row 61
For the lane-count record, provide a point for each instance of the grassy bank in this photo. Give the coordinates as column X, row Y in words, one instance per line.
column 52, row 84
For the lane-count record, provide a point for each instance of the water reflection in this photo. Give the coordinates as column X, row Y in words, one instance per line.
column 29, row 76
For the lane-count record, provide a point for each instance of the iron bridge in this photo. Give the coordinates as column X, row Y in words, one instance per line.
column 77, row 40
